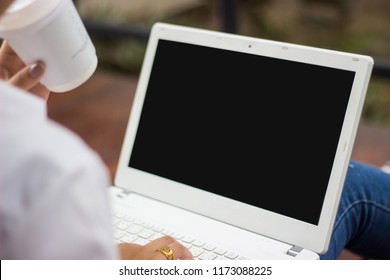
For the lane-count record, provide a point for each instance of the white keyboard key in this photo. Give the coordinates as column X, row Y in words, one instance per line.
column 168, row 232
column 231, row 255
column 219, row 251
column 145, row 233
column 122, row 225
column 118, row 234
column 177, row 236
column 138, row 222
column 128, row 238
column 207, row 256
column 134, row 229
column 158, row 235
column 188, row 239
column 157, row 228
column 221, row 258
column 195, row 251
column 147, row 225
column 129, row 218
column 198, row 243
column 119, row 215
column 209, row 247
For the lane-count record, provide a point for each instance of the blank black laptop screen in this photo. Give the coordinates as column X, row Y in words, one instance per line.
column 256, row 129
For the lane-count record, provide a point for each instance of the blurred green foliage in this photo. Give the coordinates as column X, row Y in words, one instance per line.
column 362, row 26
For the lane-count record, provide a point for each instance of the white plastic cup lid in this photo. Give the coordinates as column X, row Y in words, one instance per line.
column 22, row 13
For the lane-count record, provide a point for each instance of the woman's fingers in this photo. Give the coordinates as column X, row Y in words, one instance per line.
column 28, row 78
column 15, row 72
column 179, row 251
column 152, row 250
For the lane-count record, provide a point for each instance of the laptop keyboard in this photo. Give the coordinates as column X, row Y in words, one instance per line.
column 133, row 230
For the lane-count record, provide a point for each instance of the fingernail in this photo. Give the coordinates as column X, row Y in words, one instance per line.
column 36, row 70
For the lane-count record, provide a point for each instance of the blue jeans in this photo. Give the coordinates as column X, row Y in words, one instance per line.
column 363, row 219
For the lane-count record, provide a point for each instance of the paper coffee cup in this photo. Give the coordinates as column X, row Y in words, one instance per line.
column 51, row 31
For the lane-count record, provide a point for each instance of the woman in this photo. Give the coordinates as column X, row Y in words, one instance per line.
column 53, row 188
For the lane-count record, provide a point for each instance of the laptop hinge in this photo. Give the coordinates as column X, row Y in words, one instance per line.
column 294, row 250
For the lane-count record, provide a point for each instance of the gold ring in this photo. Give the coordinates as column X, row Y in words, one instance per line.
column 167, row 251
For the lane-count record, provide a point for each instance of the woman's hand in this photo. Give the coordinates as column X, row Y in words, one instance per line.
column 15, row 72
column 150, row 251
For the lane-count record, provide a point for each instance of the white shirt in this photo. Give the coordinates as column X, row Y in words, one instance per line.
column 53, row 188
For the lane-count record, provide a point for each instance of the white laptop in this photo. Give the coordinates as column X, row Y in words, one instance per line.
column 238, row 144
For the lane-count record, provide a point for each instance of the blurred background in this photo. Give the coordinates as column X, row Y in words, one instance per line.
column 120, row 28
